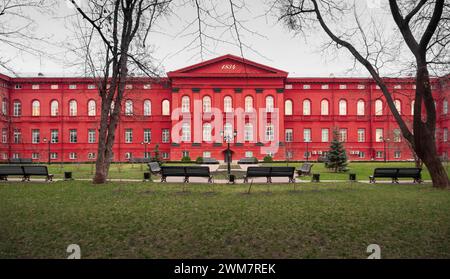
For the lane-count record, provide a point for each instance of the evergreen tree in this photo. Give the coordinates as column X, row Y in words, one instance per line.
column 337, row 156
column 156, row 158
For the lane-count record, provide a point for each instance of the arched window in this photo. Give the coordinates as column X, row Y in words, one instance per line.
column 186, row 132
column 207, row 132
column 398, row 106
column 227, row 104
column 288, row 107
column 5, row 106
column 342, row 107
column 92, row 108
column 270, row 132
column 306, row 107
column 445, row 106
column 412, row 107
column 54, row 108
column 248, row 104
column 147, row 108
column 378, row 107
column 128, row 107
column 360, row 108
column 73, row 108
column 248, row 132
column 35, row 108
column 324, row 107
column 166, row 107
column 269, row 104
column 17, row 108
column 228, row 130
column 185, row 104
column 206, row 104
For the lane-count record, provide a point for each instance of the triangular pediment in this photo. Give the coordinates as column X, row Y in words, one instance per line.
column 228, row 65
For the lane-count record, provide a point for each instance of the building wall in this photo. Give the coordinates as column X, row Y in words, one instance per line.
column 196, row 87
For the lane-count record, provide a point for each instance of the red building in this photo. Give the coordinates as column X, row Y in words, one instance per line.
column 57, row 119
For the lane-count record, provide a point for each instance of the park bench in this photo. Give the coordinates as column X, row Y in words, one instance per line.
column 248, row 161
column 269, row 172
column 396, row 173
column 20, row 161
column 24, row 171
column 139, row 160
column 305, row 169
column 185, row 172
column 154, row 167
column 209, row 161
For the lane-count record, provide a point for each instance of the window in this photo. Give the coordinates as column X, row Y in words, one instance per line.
column 147, row 108
column 35, row 86
column 54, row 108
column 361, row 86
column 185, row 153
column 206, row 104
column 92, row 108
column 248, row 104
column 186, row 132
column 342, row 86
column 54, row 86
column 445, row 106
column 325, row 86
column 147, row 86
column 397, row 154
column 16, row 155
column 35, row 108
column 379, row 135
column 343, row 135
column 129, row 86
column 165, row 107
column 18, row 86
column 360, row 108
column 128, row 107
column 35, row 136
column 227, row 104
column 206, row 154
column 306, row 107
column 248, row 154
column 378, row 107
column 306, row 86
column 397, row 136
column 91, row 156
column 270, row 134
column 17, row 134
column 288, row 107
column 412, row 107
column 147, row 135
column 185, row 104
column 72, row 155
column 445, row 135
column 325, row 135
column 4, row 135
column 91, row 86
column 269, row 104
column 228, row 130
column 73, row 137
column 165, row 155
column 398, row 106
column 324, row 107
column 207, row 130
column 5, row 106
column 128, row 135
column 91, row 136
column 73, row 108
column 165, row 135
column 289, row 135
column 72, row 86
column 35, row 156
column 342, row 107
column 307, row 135
column 361, row 154
column 361, row 135
column 53, row 155
column 248, row 132
column 17, row 108
column 54, row 136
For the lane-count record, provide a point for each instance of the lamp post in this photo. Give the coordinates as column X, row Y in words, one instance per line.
column 227, row 137
column 384, row 140
column 307, row 148
column 48, row 149
column 145, row 143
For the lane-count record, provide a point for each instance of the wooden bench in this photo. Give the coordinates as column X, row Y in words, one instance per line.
column 248, row 161
column 24, row 171
column 209, row 161
column 20, row 161
column 305, row 169
column 185, row 172
column 396, row 173
column 269, row 172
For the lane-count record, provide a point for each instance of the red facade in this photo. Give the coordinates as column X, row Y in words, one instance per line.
column 289, row 118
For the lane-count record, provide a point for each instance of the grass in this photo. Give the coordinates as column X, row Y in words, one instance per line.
column 151, row 220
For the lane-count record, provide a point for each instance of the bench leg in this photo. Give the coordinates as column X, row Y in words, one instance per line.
column 210, row 179
column 186, row 179
column 291, row 179
column 269, row 179
column 372, row 179
column 245, row 179
column 163, row 179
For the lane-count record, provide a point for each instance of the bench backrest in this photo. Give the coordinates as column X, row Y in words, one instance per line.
column 35, row 170
column 264, row 171
column 193, row 171
column 173, row 170
column 11, row 170
column 209, row 161
column 389, row 172
column 306, row 167
column 154, row 166
column 289, row 171
column 415, row 172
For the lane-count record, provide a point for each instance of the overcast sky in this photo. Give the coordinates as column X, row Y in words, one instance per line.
column 273, row 44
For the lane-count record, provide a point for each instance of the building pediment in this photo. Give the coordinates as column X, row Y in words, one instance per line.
column 228, row 66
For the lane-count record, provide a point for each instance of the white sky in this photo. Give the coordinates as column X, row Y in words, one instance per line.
column 277, row 46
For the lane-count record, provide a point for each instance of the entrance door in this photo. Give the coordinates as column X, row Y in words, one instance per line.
column 228, row 156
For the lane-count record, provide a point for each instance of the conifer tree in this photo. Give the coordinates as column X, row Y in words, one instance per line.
column 337, row 156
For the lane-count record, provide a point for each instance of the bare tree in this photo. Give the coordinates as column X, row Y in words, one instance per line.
column 423, row 26
column 114, row 35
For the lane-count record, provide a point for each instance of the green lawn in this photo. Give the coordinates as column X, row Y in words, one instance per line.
column 150, row 220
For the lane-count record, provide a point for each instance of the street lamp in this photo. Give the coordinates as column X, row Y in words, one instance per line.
column 145, row 143
column 48, row 149
column 384, row 140
column 307, row 140
column 227, row 137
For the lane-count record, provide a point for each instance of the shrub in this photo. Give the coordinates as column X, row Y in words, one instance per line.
column 186, row 159
column 199, row 160
column 268, row 159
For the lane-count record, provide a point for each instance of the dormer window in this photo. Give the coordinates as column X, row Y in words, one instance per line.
column 397, row 86
column 129, row 86
column 306, row 86
column 147, row 86
column 325, row 86
column 91, row 86
column 361, row 86
column 35, row 86
column 72, row 86
column 18, row 86
column 288, row 86
column 54, row 86
column 342, row 86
